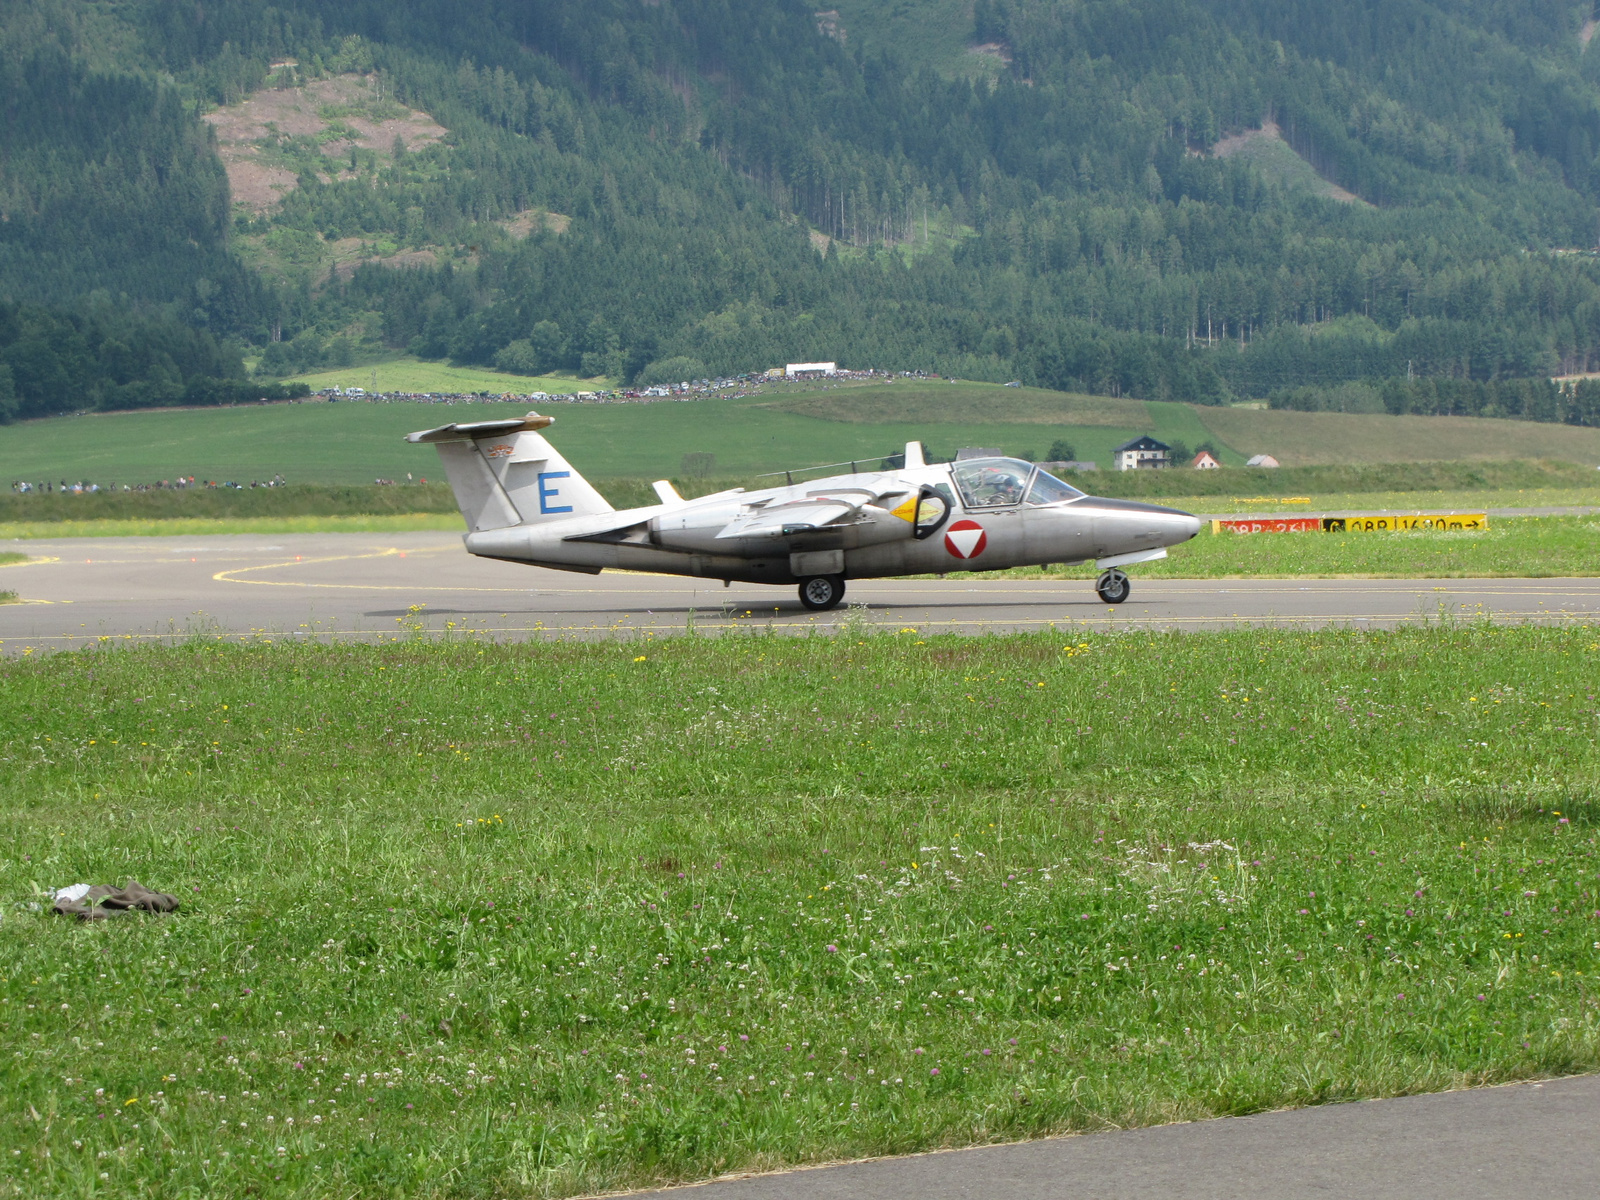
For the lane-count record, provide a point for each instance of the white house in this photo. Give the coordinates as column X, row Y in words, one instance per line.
column 794, row 369
column 1142, row 453
column 1205, row 461
column 1262, row 460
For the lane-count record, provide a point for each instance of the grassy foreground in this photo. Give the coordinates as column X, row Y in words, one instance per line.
column 474, row 920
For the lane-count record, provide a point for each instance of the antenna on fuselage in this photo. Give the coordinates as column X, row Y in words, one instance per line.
column 914, row 455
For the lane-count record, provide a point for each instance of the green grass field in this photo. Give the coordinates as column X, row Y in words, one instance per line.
column 472, row 920
column 407, row 374
column 349, row 443
column 357, row 442
column 1303, row 439
column 1521, row 548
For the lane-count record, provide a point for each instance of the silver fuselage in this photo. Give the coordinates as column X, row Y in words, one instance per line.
column 668, row 539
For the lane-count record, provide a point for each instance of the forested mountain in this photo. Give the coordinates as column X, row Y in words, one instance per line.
column 1185, row 199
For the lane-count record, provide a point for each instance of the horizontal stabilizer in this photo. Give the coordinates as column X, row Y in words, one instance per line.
column 466, row 431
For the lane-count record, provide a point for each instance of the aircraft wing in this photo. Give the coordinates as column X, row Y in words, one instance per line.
column 801, row 516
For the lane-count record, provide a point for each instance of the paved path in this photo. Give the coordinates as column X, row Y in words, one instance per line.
column 1537, row 1141
column 365, row 585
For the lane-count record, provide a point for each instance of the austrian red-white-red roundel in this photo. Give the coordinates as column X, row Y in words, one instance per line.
column 965, row 539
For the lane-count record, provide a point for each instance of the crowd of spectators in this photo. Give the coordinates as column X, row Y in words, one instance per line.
column 732, row 387
column 83, row 487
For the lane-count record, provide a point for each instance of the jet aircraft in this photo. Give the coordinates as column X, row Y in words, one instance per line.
column 524, row 503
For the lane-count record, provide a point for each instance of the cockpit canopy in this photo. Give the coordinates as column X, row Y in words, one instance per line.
column 1003, row 482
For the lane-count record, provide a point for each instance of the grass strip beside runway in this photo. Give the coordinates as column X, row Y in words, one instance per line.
column 1512, row 547
column 1286, row 503
column 477, row 920
column 198, row 526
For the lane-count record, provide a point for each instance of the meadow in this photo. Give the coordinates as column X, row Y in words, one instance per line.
column 407, row 374
column 472, row 920
column 784, row 427
column 1297, row 439
column 356, row 442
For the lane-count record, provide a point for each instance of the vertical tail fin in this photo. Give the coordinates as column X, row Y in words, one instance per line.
column 505, row 473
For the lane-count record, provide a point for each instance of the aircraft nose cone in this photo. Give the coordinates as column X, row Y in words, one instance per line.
column 1186, row 525
column 1173, row 525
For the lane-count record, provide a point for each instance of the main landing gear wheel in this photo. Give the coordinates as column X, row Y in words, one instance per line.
column 822, row 592
column 1113, row 586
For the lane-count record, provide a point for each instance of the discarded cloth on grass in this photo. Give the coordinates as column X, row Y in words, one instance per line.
column 108, row 900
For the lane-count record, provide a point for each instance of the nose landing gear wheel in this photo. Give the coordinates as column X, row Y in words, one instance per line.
column 1113, row 586
column 822, row 592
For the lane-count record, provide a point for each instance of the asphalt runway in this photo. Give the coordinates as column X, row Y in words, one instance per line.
column 81, row 591
column 1533, row 1141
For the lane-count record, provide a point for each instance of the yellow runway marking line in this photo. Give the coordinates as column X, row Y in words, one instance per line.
column 32, row 562
column 225, row 576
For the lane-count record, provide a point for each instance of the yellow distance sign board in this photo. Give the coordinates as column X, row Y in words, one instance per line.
column 1408, row 523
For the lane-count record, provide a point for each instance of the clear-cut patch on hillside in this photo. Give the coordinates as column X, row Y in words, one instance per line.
column 1265, row 150
column 998, row 51
column 829, row 26
column 530, row 220
column 346, row 254
column 266, row 140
